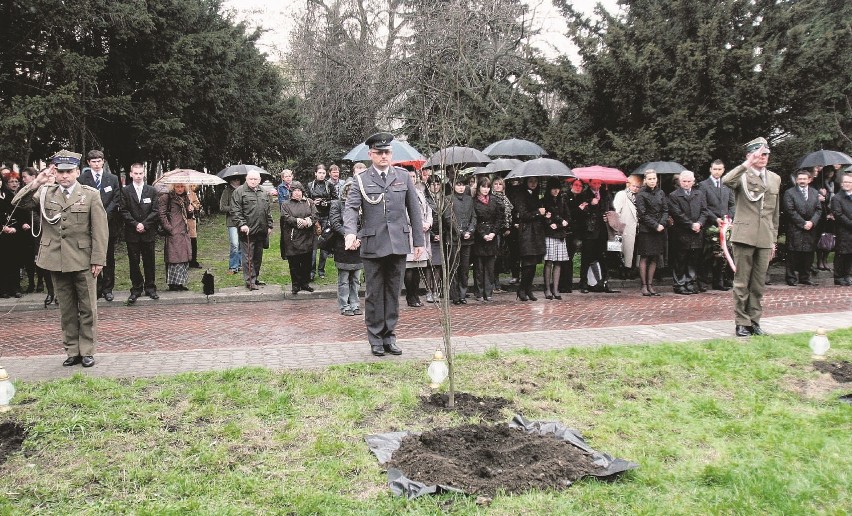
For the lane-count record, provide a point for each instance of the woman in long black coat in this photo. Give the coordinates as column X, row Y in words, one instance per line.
column 841, row 208
column 653, row 214
column 490, row 220
column 529, row 214
column 558, row 218
column 12, row 238
column 298, row 216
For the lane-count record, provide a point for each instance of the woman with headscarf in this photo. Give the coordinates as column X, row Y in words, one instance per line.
column 624, row 204
column 529, row 214
column 298, row 215
column 652, row 214
column 557, row 220
column 175, row 209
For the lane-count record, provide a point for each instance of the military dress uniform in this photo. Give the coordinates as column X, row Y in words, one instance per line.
column 75, row 234
column 753, row 237
column 389, row 210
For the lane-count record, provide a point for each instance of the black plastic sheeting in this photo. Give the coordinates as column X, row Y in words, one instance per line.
column 383, row 446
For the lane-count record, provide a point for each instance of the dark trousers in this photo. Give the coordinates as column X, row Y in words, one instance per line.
column 383, row 280
column 145, row 252
column 106, row 279
column 798, row 262
column 714, row 269
column 483, row 271
column 323, row 255
column 566, row 274
column 513, row 260
column 251, row 256
column 593, row 251
column 685, row 266
column 300, row 270
column 458, row 280
column 842, row 265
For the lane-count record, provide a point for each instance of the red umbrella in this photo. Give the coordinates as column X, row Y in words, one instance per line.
column 611, row 176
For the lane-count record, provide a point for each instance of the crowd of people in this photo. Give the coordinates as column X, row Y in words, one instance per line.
column 501, row 229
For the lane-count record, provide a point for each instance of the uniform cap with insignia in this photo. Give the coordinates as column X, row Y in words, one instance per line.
column 66, row 160
column 756, row 144
column 379, row 141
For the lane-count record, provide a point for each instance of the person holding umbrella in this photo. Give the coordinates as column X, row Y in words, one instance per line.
column 558, row 215
column 175, row 208
column 250, row 209
column 530, row 216
column 594, row 205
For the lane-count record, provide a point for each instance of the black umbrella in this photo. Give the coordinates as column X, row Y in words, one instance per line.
column 458, row 157
column 402, row 152
column 514, row 147
column 823, row 158
column 661, row 167
column 502, row 165
column 541, row 167
column 242, row 171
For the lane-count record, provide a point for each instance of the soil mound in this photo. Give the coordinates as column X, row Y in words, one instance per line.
column 482, row 459
column 468, row 405
column 12, row 437
column 841, row 371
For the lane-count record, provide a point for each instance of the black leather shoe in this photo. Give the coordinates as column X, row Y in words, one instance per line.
column 742, row 331
column 258, row 282
column 153, row 295
column 377, row 350
column 609, row 290
column 756, row 329
column 522, row 297
column 132, row 299
column 809, row 283
column 294, row 291
column 108, row 296
column 48, row 299
column 88, row 361
column 791, row 283
column 392, row 348
column 531, row 297
column 72, row 361
column 584, row 290
column 308, row 288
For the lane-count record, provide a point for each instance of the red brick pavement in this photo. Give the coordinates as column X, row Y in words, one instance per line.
column 236, row 325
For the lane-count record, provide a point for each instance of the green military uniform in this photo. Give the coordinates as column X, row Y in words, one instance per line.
column 75, row 233
column 754, row 234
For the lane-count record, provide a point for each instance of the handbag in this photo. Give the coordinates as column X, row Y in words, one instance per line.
column 327, row 238
column 615, row 245
column 826, row 242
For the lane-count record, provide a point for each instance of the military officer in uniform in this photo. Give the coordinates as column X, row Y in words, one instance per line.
column 757, row 198
column 75, row 235
column 385, row 200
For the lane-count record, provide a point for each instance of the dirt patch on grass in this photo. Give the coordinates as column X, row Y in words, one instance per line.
column 489, row 409
column 12, row 437
column 483, row 459
column 812, row 388
column 841, row 371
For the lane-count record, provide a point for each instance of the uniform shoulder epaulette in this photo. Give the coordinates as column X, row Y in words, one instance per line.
column 400, row 169
column 87, row 187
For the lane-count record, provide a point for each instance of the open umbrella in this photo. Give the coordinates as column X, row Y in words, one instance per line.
column 502, row 165
column 242, row 171
column 403, row 154
column 661, row 167
column 458, row 157
column 610, row 176
column 514, row 147
column 823, row 158
column 188, row 177
column 541, row 167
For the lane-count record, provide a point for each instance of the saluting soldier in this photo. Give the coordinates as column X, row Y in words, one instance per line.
column 386, row 198
column 75, row 235
column 756, row 190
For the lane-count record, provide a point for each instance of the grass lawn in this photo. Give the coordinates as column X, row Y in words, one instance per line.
column 726, row 426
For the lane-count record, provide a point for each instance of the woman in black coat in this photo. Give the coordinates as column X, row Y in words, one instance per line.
column 558, row 217
column 529, row 214
column 298, row 216
column 347, row 261
column 841, row 209
column 490, row 220
column 460, row 219
column 12, row 237
column 653, row 214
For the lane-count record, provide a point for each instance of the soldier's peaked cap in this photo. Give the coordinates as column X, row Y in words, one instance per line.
column 379, row 141
column 66, row 160
column 756, row 144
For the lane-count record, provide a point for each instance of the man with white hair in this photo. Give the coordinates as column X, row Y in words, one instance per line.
column 250, row 211
column 688, row 210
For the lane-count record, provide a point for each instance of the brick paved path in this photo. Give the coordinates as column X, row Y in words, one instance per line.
column 152, row 339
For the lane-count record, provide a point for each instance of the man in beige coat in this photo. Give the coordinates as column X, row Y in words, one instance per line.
column 74, row 239
column 757, row 193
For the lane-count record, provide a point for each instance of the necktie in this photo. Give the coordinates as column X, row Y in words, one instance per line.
column 716, row 181
column 66, row 192
column 97, row 181
column 805, row 193
column 384, row 176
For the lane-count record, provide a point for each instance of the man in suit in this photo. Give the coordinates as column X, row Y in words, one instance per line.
column 720, row 204
column 757, row 199
column 387, row 201
column 139, row 210
column 688, row 210
column 74, row 238
column 110, row 189
column 804, row 210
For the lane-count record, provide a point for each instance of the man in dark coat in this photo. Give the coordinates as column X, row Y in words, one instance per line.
column 841, row 208
column 803, row 209
column 140, row 212
column 720, row 204
column 110, row 188
column 250, row 209
column 688, row 210
column 388, row 206
column 594, row 204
